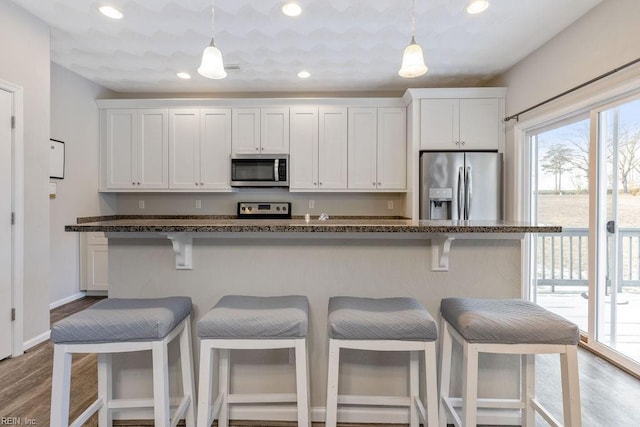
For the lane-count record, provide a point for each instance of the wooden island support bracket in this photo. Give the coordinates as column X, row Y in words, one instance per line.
column 440, row 251
column 183, row 248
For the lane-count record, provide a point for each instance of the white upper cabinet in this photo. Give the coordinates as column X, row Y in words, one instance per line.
column 377, row 148
column 460, row 124
column 260, row 131
column 136, row 149
column 392, row 149
column 332, row 148
column 303, row 167
column 199, row 147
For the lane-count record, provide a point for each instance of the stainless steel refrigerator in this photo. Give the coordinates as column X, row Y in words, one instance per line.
column 461, row 185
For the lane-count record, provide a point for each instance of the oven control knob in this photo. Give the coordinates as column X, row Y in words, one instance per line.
column 249, row 208
column 284, row 208
column 278, row 208
column 244, row 209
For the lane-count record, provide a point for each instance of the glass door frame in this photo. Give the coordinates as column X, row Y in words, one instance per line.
column 598, row 218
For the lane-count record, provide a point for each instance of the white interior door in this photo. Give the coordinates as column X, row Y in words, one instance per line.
column 6, row 195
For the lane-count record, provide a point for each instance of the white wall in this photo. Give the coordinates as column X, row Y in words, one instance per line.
column 24, row 49
column 603, row 39
column 74, row 120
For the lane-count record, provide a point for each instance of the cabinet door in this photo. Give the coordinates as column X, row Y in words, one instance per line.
column 153, row 149
column 392, row 149
column 121, row 140
column 303, row 167
column 184, row 149
column 94, row 262
column 362, row 143
column 439, row 124
column 332, row 148
column 274, row 130
column 246, row 131
column 215, row 148
column 480, row 124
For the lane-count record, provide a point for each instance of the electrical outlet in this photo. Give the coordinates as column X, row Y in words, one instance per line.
column 198, row 204
column 140, row 204
column 390, row 204
column 312, row 204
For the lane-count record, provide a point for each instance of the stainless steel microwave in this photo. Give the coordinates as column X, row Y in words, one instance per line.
column 259, row 170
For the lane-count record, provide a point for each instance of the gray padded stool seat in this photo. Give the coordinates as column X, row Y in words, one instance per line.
column 353, row 318
column 120, row 325
column 239, row 322
column 123, row 319
column 507, row 321
column 506, row 326
column 384, row 324
column 236, row 316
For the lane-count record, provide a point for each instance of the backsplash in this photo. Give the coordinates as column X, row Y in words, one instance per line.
column 368, row 204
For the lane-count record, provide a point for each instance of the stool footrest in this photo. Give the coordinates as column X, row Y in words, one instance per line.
column 544, row 413
column 262, row 398
column 181, row 411
column 456, row 402
column 84, row 417
column 354, row 399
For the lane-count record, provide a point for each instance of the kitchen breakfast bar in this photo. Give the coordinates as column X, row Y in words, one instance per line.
column 206, row 258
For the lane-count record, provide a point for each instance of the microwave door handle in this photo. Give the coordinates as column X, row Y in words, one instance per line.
column 275, row 170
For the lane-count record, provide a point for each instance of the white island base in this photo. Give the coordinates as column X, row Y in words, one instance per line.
column 318, row 268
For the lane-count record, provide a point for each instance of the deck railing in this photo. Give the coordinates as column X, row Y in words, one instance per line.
column 563, row 258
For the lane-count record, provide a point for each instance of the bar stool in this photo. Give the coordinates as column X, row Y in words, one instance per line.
column 116, row 325
column 506, row 326
column 251, row 323
column 385, row 324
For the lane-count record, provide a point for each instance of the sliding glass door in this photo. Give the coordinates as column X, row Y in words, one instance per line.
column 585, row 176
column 617, row 203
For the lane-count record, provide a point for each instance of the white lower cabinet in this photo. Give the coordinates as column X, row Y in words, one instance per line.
column 199, row 149
column 94, row 262
column 377, row 148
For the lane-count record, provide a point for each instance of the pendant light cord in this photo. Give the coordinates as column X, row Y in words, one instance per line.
column 212, row 21
column 413, row 18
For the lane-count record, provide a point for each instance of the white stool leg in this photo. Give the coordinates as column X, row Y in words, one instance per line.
column 528, row 392
column 105, row 390
column 414, row 387
column 160, row 383
column 332, row 383
column 570, row 387
column 223, row 386
column 186, row 363
column 446, row 346
column 205, row 376
column 60, row 386
column 431, row 383
column 302, row 385
column 469, row 384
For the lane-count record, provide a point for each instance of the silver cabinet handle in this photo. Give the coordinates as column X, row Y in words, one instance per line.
column 460, row 193
column 379, row 184
column 202, row 183
column 257, row 149
column 462, row 142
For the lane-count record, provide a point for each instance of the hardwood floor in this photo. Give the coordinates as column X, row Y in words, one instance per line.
column 609, row 395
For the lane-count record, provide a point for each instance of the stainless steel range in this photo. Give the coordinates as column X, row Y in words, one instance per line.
column 264, row 210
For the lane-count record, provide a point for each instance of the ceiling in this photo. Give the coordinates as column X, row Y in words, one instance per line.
column 346, row 45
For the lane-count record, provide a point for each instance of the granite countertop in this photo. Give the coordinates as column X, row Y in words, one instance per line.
column 229, row 224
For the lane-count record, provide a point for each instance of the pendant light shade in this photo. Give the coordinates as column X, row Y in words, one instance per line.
column 212, row 66
column 412, row 59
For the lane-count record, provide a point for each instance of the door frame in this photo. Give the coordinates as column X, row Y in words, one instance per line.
column 17, row 149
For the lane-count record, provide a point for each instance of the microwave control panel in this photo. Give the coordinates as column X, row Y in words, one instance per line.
column 268, row 210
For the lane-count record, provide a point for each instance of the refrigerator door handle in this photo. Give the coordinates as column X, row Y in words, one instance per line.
column 467, row 193
column 460, row 200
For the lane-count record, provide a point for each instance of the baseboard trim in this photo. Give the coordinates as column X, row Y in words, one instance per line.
column 67, row 300
column 369, row 415
column 36, row 340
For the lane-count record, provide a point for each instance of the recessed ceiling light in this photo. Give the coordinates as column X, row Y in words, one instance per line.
column 477, row 6
column 184, row 75
column 111, row 12
column 304, row 74
column 291, row 9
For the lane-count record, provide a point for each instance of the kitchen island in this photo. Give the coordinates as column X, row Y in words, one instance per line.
column 369, row 257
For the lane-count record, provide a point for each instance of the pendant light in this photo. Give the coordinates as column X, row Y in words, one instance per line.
column 212, row 66
column 412, row 60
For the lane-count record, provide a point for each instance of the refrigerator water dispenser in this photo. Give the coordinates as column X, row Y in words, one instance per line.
column 440, row 203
